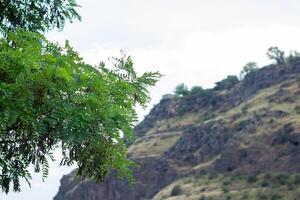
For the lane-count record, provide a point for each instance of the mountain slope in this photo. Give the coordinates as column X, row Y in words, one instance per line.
column 247, row 130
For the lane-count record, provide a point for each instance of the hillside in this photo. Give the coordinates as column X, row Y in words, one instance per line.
column 238, row 142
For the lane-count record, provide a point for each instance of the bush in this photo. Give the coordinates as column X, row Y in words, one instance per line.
column 265, row 184
column 297, row 179
column 297, row 109
column 268, row 176
column 276, row 197
column 282, row 179
column 227, row 182
column 228, row 197
column 290, row 186
column 202, row 197
column 205, row 94
column 225, row 189
column 248, row 68
column 251, row 179
column 197, row 90
column 212, row 176
column 227, row 83
column 276, row 54
column 184, row 108
column 176, row 191
column 242, row 125
column 181, row 90
column 207, row 116
column 244, row 109
column 293, row 57
column 262, row 196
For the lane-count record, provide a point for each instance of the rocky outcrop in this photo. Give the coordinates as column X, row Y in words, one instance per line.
column 276, row 152
column 266, row 77
column 238, row 132
column 152, row 174
column 201, row 143
column 240, row 92
column 165, row 109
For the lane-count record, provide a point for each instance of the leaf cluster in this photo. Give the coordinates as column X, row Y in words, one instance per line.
column 36, row 15
column 294, row 56
column 250, row 67
column 274, row 53
column 50, row 99
column 181, row 90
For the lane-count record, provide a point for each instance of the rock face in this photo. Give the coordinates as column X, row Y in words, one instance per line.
column 251, row 128
column 154, row 173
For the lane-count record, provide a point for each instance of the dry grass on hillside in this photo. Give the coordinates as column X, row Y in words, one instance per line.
column 220, row 187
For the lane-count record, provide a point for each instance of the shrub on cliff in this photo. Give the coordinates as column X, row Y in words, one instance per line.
column 181, row 90
column 250, row 67
column 176, row 191
column 274, row 53
column 227, row 83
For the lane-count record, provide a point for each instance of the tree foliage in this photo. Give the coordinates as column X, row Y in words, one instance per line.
column 293, row 56
column 227, row 83
column 197, row 90
column 181, row 90
column 51, row 99
column 276, row 54
column 36, row 15
column 248, row 68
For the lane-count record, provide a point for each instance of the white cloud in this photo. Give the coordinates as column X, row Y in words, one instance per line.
column 203, row 57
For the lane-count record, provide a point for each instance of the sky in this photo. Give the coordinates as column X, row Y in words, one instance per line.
column 196, row 42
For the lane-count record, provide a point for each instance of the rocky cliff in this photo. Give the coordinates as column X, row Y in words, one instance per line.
column 233, row 143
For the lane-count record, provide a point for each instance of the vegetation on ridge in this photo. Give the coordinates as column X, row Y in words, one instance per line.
column 273, row 53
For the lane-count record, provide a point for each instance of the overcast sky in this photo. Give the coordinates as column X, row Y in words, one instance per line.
column 197, row 42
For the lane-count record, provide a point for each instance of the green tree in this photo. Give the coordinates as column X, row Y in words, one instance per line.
column 181, row 90
column 276, row 54
column 51, row 99
column 36, row 15
column 248, row 68
column 197, row 90
column 227, row 83
column 293, row 56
